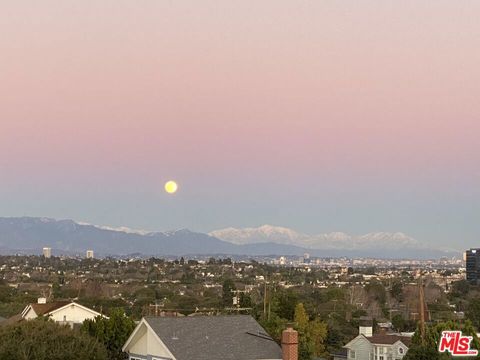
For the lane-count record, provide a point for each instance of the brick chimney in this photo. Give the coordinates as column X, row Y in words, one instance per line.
column 290, row 344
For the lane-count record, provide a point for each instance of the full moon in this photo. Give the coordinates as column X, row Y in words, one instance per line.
column 171, row 187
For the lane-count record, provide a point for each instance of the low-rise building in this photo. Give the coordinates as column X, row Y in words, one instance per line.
column 369, row 346
column 62, row 312
column 378, row 347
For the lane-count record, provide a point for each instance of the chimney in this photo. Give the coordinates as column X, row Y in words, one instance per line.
column 382, row 331
column 290, row 344
column 42, row 300
column 366, row 326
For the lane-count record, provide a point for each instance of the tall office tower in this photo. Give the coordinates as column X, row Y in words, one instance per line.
column 472, row 258
column 47, row 252
column 306, row 258
column 90, row 254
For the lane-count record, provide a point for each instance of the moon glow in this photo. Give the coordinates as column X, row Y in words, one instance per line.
column 171, row 187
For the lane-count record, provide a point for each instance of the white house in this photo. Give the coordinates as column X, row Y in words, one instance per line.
column 64, row 312
column 370, row 346
column 377, row 347
column 236, row 337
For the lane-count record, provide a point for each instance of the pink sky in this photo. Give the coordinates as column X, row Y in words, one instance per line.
column 240, row 92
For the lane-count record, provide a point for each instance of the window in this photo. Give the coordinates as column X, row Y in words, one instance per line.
column 352, row 354
column 381, row 357
column 401, row 351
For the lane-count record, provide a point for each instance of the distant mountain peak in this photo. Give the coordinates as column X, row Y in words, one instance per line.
column 123, row 229
column 332, row 240
column 29, row 235
column 261, row 234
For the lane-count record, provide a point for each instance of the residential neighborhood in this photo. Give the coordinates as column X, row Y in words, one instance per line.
column 173, row 306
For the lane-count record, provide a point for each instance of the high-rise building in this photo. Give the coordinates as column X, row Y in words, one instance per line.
column 47, row 252
column 472, row 259
column 306, row 258
column 90, row 254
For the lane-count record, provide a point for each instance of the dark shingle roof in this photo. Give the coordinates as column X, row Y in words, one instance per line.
column 236, row 337
column 42, row 309
column 388, row 339
column 11, row 320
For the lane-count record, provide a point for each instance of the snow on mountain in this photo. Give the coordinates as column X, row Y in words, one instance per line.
column 333, row 240
column 261, row 234
column 28, row 235
column 123, row 229
column 392, row 240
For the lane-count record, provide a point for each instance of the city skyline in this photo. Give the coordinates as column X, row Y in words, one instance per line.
column 315, row 116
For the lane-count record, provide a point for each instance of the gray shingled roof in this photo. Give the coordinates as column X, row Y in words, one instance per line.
column 236, row 337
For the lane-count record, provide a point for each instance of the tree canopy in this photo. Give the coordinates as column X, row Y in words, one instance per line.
column 428, row 348
column 112, row 332
column 45, row 340
column 312, row 334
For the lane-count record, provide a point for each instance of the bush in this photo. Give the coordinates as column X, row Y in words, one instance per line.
column 44, row 340
column 112, row 332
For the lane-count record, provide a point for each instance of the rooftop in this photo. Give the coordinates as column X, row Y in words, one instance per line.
column 236, row 337
column 387, row 339
column 42, row 309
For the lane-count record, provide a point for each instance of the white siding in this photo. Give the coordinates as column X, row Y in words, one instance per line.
column 362, row 347
column 139, row 344
column 395, row 350
column 155, row 348
column 146, row 343
column 72, row 313
column 30, row 314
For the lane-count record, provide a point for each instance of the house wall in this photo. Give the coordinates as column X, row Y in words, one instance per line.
column 148, row 357
column 72, row 313
column 382, row 351
column 395, row 353
column 139, row 345
column 155, row 348
column 146, row 346
column 362, row 347
column 30, row 314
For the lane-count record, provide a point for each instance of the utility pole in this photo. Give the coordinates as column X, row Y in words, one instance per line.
column 236, row 297
column 265, row 299
column 422, row 310
column 270, row 302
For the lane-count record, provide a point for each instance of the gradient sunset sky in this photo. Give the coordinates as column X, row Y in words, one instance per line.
column 352, row 116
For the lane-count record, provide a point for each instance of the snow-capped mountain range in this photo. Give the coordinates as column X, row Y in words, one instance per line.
column 28, row 235
column 333, row 240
